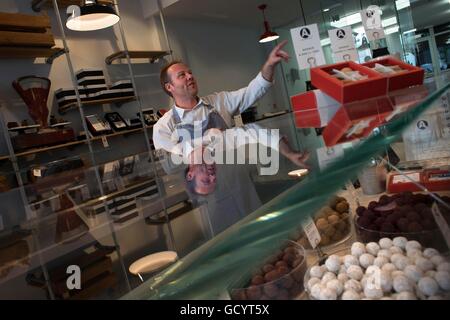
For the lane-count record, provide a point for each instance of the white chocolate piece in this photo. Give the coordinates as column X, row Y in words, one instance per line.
column 385, row 243
column 386, row 282
column 380, row 261
column 437, row 260
column 397, row 273
column 445, row 266
column 327, row 277
column 342, row 269
column 428, row 286
column 371, row 270
column 353, row 285
column 385, row 253
column 430, row 273
column 400, row 242
column 333, row 263
column 395, row 249
column 402, row 262
column 350, row 295
column 413, row 253
column 350, row 260
column 328, row 294
column 316, row 272
column 443, row 279
column 430, row 252
column 312, row 282
column 402, row 283
column 358, row 249
column 355, row 272
column 316, row 290
column 424, row 264
column 407, row 295
column 414, row 273
column 373, row 248
column 366, row 259
column 413, row 244
column 336, row 286
column 389, row 267
column 396, row 256
column 373, row 293
column 343, row 277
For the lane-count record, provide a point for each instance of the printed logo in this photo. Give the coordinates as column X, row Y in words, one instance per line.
column 305, row 33
column 74, row 279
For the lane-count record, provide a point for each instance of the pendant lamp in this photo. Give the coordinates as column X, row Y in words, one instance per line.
column 268, row 35
column 91, row 16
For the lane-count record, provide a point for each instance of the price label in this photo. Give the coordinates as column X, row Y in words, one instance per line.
column 105, row 142
column 441, row 222
column 311, row 232
column 37, row 173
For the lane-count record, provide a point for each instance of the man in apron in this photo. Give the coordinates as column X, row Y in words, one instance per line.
column 234, row 196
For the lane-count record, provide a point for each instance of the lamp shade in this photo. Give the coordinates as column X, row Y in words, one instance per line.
column 91, row 16
column 268, row 35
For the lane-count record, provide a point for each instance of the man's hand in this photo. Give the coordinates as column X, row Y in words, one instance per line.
column 275, row 57
column 299, row 158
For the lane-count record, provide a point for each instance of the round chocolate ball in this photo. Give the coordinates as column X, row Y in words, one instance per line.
column 360, row 210
column 253, row 293
column 413, row 216
column 387, row 227
column 372, row 205
column 415, row 227
column 257, row 280
column 363, row 221
column 379, row 221
column 267, row 268
column 402, row 224
column 384, row 199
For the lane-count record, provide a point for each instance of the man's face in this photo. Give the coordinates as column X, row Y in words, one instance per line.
column 181, row 82
column 204, row 176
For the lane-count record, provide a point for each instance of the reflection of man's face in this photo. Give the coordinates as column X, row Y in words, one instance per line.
column 204, row 177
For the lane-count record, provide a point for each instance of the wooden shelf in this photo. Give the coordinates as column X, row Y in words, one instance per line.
column 31, row 52
column 74, row 143
column 120, row 100
column 37, row 5
column 152, row 55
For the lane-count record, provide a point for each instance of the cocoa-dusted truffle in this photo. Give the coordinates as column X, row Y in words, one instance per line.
column 257, row 280
column 372, row 205
column 360, row 210
column 387, row 227
column 415, row 227
column 413, row 216
column 253, row 293
column 402, row 224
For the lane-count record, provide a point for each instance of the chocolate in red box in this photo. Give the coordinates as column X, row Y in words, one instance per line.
column 356, row 120
column 400, row 74
column 432, row 179
column 313, row 109
column 370, row 84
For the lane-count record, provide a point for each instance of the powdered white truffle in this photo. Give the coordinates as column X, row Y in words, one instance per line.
column 430, row 273
column 396, row 256
column 336, row 286
column 402, row 262
column 333, row 263
column 386, row 281
column 435, row 298
column 316, row 290
column 430, row 252
column 445, row 266
column 413, row 244
column 372, row 248
column 316, row 271
column 350, row 295
column 343, row 277
column 373, row 292
column 342, row 269
column 371, row 270
column 380, row 261
column 386, row 253
column 328, row 294
column 385, row 243
column 413, row 253
column 327, row 277
column 353, row 285
column 443, row 279
column 407, row 295
column 437, row 260
column 413, row 273
column 400, row 242
column 428, row 286
column 350, row 260
column 312, row 282
column 424, row 264
column 397, row 273
column 401, row 284
column 355, row 272
column 389, row 267
column 358, row 249
column 366, row 259
column 395, row 249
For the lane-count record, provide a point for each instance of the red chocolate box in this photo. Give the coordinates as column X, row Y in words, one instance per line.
column 313, row 109
column 406, row 77
column 356, row 120
column 432, row 179
column 374, row 86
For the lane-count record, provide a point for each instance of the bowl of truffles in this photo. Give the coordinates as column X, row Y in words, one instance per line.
column 390, row 269
column 333, row 223
column 404, row 214
column 280, row 277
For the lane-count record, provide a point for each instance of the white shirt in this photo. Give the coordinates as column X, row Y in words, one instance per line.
column 227, row 104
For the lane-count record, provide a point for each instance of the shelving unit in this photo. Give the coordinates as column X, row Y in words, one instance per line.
column 117, row 101
column 152, row 55
column 28, row 52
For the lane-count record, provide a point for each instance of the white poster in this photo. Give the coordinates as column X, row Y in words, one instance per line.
column 342, row 45
column 371, row 19
column 326, row 156
column 308, row 49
